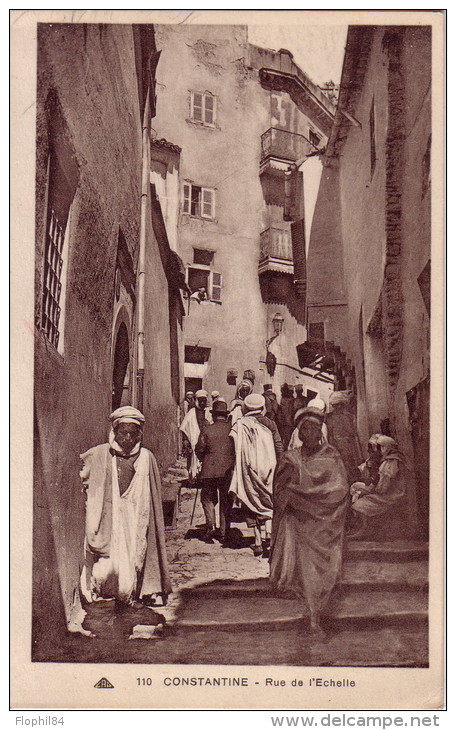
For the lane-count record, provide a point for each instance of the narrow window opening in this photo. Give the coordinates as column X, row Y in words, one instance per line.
column 314, row 138
column 203, row 256
column 60, row 197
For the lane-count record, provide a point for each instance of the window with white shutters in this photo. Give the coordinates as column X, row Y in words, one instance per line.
column 198, row 201
column 201, row 276
column 216, row 287
column 203, row 108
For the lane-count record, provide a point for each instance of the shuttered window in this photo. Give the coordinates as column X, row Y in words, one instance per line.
column 198, row 201
column 203, row 107
column 203, row 277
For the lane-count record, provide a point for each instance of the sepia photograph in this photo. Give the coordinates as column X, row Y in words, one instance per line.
column 236, row 410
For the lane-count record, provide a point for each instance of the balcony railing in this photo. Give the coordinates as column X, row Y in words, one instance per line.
column 276, row 253
column 283, row 145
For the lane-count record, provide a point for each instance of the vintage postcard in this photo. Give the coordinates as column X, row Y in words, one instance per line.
column 227, row 409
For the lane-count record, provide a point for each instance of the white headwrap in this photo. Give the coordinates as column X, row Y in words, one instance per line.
column 338, row 396
column 317, row 403
column 125, row 414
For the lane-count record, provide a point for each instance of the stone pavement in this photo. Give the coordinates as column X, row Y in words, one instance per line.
column 193, row 562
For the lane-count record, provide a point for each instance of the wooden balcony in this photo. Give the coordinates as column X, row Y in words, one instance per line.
column 279, row 148
column 276, row 252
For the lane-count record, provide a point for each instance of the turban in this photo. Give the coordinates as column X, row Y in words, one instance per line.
column 201, row 394
column 308, row 412
column 215, row 394
column 387, row 442
column 374, row 439
column 127, row 414
column 317, row 403
column 254, row 403
column 338, row 396
column 245, row 384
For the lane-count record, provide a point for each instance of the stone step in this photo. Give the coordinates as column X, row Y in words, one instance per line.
column 389, row 646
column 256, row 607
column 178, row 472
column 372, row 574
column 391, row 552
column 259, row 611
column 357, row 604
column 359, row 574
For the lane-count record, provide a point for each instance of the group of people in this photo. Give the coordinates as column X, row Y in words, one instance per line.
column 294, row 471
column 296, row 499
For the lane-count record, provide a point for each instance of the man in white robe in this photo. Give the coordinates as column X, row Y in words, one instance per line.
column 254, row 468
column 192, row 425
column 125, row 557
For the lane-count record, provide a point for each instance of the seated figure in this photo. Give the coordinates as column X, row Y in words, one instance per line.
column 380, row 494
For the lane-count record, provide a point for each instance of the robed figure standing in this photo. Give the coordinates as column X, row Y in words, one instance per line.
column 310, row 501
column 255, row 461
column 125, row 556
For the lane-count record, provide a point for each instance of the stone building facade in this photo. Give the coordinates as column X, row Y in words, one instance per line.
column 241, row 115
column 369, row 257
column 95, row 83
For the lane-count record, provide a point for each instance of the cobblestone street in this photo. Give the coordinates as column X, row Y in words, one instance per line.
column 193, row 562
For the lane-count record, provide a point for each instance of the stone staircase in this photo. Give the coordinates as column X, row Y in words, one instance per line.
column 377, row 615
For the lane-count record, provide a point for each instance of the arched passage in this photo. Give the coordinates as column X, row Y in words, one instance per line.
column 120, row 373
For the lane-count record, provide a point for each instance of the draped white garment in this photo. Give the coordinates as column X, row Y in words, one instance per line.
column 130, row 520
column 254, row 466
column 191, row 429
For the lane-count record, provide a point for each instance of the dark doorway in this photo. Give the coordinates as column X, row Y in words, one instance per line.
column 120, row 374
column 310, row 395
column 193, row 384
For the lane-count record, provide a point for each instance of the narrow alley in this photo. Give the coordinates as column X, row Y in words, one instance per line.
column 233, row 260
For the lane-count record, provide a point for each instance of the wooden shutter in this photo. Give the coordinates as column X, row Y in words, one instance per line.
column 197, row 107
column 216, row 280
column 207, row 203
column 209, row 109
column 298, row 243
column 186, row 202
column 195, row 200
